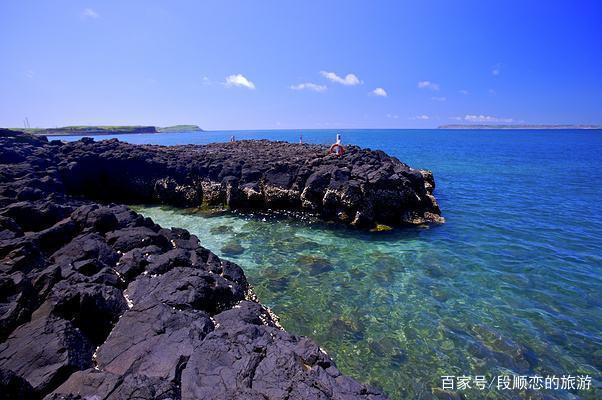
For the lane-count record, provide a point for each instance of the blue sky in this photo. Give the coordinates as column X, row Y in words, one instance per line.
column 300, row 64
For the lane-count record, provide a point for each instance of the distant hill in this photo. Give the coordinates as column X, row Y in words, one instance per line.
column 180, row 128
column 107, row 130
column 519, row 126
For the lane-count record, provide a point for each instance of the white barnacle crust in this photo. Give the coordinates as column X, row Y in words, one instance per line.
column 128, row 301
column 94, row 358
column 119, row 275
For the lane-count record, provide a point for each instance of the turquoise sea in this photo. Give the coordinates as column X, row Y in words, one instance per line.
column 511, row 284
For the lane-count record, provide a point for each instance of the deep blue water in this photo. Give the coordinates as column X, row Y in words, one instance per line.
column 512, row 283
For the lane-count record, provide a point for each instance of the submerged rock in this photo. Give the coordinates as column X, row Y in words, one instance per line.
column 352, row 329
column 314, row 264
column 97, row 301
column 232, row 248
column 280, row 284
column 385, row 346
column 221, row 229
column 506, row 352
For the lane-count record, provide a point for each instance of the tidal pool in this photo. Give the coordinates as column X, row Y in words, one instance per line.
column 400, row 310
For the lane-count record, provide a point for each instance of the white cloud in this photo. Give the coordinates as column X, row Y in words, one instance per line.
column 239, row 80
column 90, row 13
column 349, row 80
column 483, row 118
column 309, row 86
column 30, row 73
column 379, row 92
column 496, row 69
column 492, row 92
column 428, row 85
column 422, row 117
column 393, row 116
column 463, row 91
column 441, row 98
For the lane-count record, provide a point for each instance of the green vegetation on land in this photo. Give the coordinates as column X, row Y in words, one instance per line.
column 106, row 129
column 180, row 128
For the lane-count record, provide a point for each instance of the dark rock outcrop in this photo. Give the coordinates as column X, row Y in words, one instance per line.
column 362, row 188
column 97, row 301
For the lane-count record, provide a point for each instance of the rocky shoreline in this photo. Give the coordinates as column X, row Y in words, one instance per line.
column 96, row 300
column 363, row 188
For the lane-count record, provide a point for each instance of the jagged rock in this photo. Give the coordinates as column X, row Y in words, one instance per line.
column 187, row 289
column 363, row 187
column 17, row 301
column 100, row 219
column 153, row 339
column 132, row 237
column 92, row 308
column 259, row 356
column 85, row 247
column 14, row 387
column 45, row 352
column 92, row 384
column 97, row 301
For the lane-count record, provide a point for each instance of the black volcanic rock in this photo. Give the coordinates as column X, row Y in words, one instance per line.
column 14, row 387
column 259, row 355
column 45, row 352
column 97, row 301
column 361, row 188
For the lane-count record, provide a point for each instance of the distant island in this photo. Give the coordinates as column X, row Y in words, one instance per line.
column 108, row 130
column 180, row 128
column 518, row 126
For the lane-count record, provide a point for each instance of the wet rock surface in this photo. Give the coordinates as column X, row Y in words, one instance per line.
column 97, row 301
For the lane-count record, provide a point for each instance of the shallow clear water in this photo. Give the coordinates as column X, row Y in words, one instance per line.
column 511, row 283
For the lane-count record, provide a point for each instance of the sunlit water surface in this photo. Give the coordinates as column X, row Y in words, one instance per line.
column 510, row 284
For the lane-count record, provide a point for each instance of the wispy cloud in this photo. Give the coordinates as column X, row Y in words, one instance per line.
column 428, row 85
column 463, row 91
column 492, row 92
column 496, row 69
column 482, row 118
column 422, row 117
column 393, row 116
column 90, row 13
column 348, row 80
column 379, row 92
column 309, row 86
column 438, row 98
column 30, row 74
column 239, row 80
